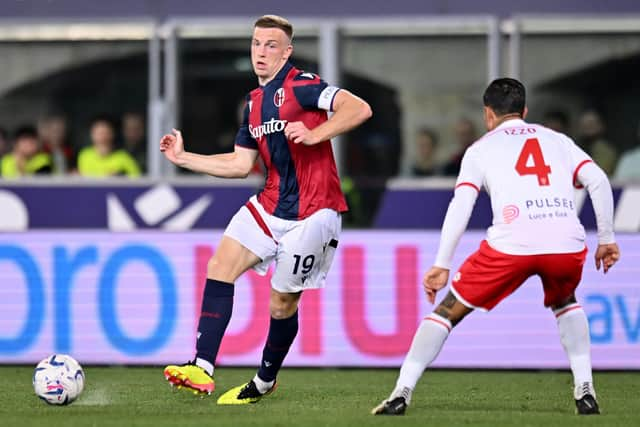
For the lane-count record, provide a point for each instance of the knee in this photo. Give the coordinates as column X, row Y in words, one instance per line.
column 282, row 307
column 219, row 269
column 212, row 264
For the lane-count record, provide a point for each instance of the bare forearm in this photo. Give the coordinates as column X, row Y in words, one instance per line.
column 348, row 116
column 219, row 165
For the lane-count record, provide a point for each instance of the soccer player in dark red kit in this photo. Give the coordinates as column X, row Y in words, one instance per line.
column 295, row 220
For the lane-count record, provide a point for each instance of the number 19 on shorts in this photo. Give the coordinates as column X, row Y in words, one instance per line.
column 304, row 264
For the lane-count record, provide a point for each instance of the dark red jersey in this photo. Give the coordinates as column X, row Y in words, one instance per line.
column 301, row 179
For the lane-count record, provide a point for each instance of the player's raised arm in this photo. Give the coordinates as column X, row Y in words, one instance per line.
column 237, row 164
column 349, row 112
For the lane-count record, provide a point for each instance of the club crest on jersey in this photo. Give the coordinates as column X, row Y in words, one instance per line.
column 278, row 97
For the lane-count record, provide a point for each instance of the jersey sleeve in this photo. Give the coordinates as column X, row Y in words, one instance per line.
column 599, row 189
column 243, row 137
column 471, row 172
column 586, row 173
column 577, row 158
column 455, row 222
column 314, row 93
column 468, row 186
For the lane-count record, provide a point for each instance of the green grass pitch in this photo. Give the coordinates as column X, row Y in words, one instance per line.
column 132, row 396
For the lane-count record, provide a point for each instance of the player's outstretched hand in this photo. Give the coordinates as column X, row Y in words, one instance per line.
column 607, row 255
column 298, row 133
column 172, row 146
column 434, row 280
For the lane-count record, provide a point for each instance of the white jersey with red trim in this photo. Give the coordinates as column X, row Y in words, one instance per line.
column 530, row 173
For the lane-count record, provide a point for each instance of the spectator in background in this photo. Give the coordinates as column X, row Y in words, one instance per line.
column 26, row 158
column 591, row 136
column 629, row 166
column 465, row 135
column 556, row 120
column 4, row 141
column 381, row 153
column 134, row 138
column 52, row 131
column 101, row 159
column 426, row 143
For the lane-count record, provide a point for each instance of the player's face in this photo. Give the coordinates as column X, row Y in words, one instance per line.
column 270, row 49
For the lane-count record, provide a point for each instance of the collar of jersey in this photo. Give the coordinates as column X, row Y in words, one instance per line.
column 511, row 123
column 281, row 74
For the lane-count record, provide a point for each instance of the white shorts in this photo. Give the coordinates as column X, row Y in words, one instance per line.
column 303, row 250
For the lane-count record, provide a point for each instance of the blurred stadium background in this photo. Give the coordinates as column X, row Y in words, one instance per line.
column 109, row 269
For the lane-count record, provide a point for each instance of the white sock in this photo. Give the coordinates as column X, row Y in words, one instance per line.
column 427, row 343
column 574, row 335
column 206, row 365
column 263, row 386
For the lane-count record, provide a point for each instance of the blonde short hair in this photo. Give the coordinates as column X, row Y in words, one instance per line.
column 275, row 21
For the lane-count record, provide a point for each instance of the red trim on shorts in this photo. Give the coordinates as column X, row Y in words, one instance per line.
column 575, row 173
column 568, row 309
column 470, row 184
column 439, row 322
column 259, row 220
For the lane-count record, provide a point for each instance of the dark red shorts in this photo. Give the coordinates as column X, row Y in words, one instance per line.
column 489, row 276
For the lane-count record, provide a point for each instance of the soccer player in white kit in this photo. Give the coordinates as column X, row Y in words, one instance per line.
column 530, row 173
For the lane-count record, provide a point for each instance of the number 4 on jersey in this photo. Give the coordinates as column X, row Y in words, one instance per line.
column 531, row 150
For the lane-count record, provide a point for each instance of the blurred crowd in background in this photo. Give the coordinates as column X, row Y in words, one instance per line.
column 74, row 107
column 117, row 146
column 589, row 131
column 112, row 147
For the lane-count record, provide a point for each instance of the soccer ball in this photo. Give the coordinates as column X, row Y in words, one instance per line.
column 58, row 379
